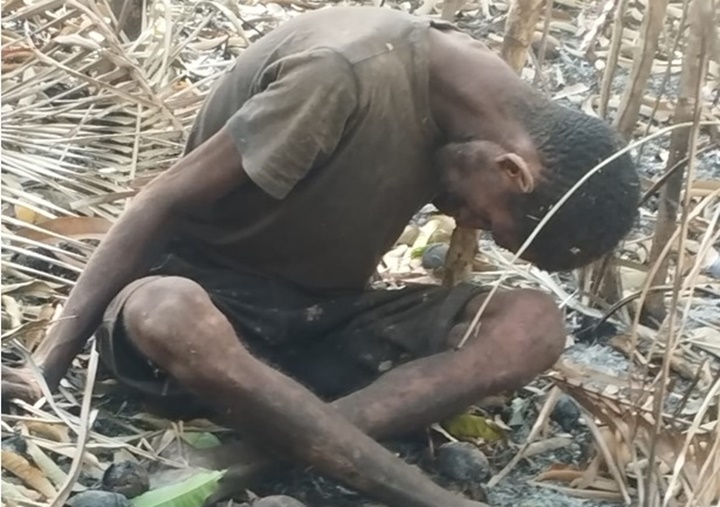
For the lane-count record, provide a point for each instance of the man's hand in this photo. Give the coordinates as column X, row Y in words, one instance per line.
column 20, row 383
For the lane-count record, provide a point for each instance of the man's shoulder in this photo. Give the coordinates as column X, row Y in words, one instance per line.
column 338, row 19
column 357, row 33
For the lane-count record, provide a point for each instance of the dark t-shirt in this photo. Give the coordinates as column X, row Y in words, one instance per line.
column 330, row 114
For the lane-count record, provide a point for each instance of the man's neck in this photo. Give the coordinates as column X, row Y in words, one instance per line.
column 470, row 89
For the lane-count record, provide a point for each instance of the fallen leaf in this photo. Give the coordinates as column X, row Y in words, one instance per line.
column 13, row 310
column 12, row 491
column 32, row 288
column 469, row 426
column 54, row 432
column 200, row 440
column 34, row 336
column 53, row 472
column 26, row 214
column 706, row 338
column 560, row 473
column 189, row 493
column 549, row 444
column 70, row 227
column 22, row 469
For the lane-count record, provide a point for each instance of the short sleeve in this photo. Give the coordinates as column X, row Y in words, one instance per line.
column 295, row 120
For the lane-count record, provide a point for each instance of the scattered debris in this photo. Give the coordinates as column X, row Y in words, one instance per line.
column 89, row 117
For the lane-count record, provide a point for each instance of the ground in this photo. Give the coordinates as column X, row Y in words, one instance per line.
column 124, row 431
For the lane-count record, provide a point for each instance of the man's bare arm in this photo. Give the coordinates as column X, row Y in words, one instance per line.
column 203, row 176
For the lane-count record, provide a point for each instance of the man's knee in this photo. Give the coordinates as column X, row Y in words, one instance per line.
column 530, row 317
column 166, row 310
column 541, row 319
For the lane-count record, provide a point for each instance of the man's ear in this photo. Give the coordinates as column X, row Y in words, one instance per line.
column 515, row 167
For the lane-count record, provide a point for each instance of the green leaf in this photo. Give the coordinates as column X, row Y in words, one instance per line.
column 418, row 252
column 468, row 426
column 201, row 440
column 190, row 493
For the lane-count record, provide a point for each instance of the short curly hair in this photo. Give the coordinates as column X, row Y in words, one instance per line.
column 601, row 212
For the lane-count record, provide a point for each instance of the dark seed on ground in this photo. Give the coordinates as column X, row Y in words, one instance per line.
column 566, row 413
column 434, row 256
column 552, row 46
column 98, row 499
column 278, row 501
column 15, row 444
column 127, row 478
column 462, row 461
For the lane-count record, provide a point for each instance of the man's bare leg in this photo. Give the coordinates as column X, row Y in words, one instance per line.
column 522, row 334
column 174, row 323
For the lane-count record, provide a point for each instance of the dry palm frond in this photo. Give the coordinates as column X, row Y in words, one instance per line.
column 85, row 113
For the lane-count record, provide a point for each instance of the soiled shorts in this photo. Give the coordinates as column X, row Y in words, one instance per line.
column 331, row 344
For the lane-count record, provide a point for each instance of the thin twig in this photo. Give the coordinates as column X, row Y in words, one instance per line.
column 672, row 337
column 611, row 64
column 668, row 174
column 86, row 418
column 607, row 455
column 550, row 403
column 666, row 75
column 543, row 42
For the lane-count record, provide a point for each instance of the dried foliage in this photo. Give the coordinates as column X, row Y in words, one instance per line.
column 89, row 116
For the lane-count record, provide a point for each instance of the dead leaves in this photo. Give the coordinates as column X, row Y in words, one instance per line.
column 707, row 338
column 59, row 229
column 54, row 432
column 75, row 149
column 580, row 483
column 83, row 114
column 29, row 474
column 626, row 438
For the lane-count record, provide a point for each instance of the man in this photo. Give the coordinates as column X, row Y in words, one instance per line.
column 239, row 276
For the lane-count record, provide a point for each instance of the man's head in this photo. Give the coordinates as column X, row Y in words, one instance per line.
column 508, row 186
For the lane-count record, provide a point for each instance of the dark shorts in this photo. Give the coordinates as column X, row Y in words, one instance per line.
column 331, row 344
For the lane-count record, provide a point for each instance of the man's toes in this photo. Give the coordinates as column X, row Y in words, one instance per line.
column 11, row 390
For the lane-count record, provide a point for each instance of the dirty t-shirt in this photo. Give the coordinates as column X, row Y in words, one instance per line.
column 330, row 114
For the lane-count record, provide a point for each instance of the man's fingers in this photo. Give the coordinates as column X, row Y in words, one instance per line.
column 20, row 384
column 12, row 390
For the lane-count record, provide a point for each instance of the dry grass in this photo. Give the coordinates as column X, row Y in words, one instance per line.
column 89, row 116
